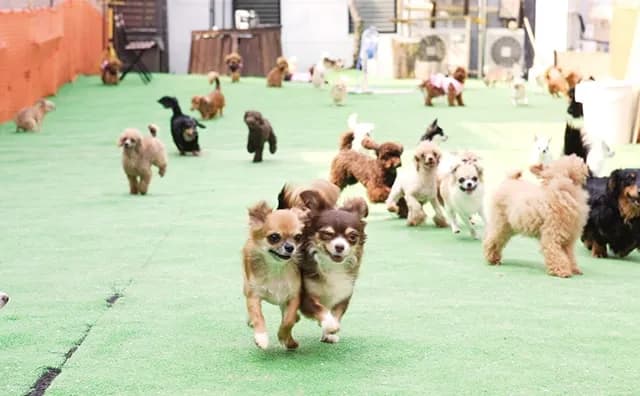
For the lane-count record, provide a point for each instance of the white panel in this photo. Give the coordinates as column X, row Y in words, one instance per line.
column 184, row 16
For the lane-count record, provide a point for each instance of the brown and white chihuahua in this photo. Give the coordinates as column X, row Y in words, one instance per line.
column 334, row 241
column 271, row 269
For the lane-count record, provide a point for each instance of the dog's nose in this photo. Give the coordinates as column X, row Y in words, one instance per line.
column 5, row 298
column 339, row 247
column 289, row 247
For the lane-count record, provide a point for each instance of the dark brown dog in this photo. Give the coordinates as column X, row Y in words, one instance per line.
column 260, row 131
column 377, row 175
column 440, row 85
column 111, row 72
column 277, row 74
column 234, row 63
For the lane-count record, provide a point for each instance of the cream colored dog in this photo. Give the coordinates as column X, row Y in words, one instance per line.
column 462, row 192
column 138, row 154
column 419, row 186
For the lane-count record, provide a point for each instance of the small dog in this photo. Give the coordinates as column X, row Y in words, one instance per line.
column 4, row 299
column 334, row 243
column 377, row 175
column 361, row 131
column 556, row 82
column 319, row 70
column 599, row 152
column 462, row 193
column 31, row 118
column 554, row 212
column 111, row 72
column 277, row 74
column 519, row 92
column 183, row 127
column 573, row 137
column 419, row 186
column 339, row 91
column 541, row 152
column 495, row 74
column 260, row 131
column 439, row 85
column 614, row 216
column 434, row 133
column 271, row 259
column 290, row 195
column 234, row 64
column 138, row 154
column 211, row 105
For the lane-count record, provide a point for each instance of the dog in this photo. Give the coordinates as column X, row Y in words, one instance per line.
column 290, row 195
column 271, row 258
column 448, row 161
column 573, row 137
column 377, row 175
column 361, row 131
column 334, row 241
column 462, row 194
column 211, row 105
column 277, row 74
column 4, row 299
column 234, row 65
column 541, row 151
column 495, row 74
column 434, row 133
column 555, row 212
column 519, row 92
column 260, row 132
column 556, row 81
column 319, row 70
column 138, row 154
column 418, row 186
column 111, row 72
column 614, row 215
column 184, row 129
column 439, row 85
column 31, row 118
column 339, row 91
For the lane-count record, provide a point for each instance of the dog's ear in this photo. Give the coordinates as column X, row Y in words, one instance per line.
column 434, row 123
column 479, row 169
column 313, row 200
column 200, row 124
column 613, row 185
column 370, row 144
column 537, row 169
column 357, row 206
column 417, row 158
column 258, row 215
column 121, row 140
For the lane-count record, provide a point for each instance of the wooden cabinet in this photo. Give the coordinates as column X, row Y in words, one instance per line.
column 259, row 48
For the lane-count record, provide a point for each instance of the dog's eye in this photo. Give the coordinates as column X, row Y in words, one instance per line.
column 352, row 237
column 475, row 179
column 326, row 235
column 297, row 238
column 274, row 238
column 461, row 180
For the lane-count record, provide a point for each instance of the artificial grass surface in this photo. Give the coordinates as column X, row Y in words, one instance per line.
column 428, row 315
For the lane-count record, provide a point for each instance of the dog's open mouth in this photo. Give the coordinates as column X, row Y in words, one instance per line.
column 280, row 256
column 468, row 190
column 634, row 200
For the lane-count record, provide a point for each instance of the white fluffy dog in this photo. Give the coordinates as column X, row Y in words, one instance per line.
column 360, row 130
column 541, row 151
column 4, row 299
column 599, row 151
column 419, row 186
column 462, row 191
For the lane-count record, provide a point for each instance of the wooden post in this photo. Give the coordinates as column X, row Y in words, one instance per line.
column 357, row 30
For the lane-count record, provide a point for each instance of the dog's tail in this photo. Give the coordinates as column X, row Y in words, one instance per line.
column 346, row 139
column 273, row 143
column 153, row 129
column 214, row 77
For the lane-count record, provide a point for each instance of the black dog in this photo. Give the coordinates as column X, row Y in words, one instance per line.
column 260, row 131
column 183, row 127
column 614, row 214
column 573, row 139
column 434, row 133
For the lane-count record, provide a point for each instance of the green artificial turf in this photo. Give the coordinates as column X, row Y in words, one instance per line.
column 428, row 315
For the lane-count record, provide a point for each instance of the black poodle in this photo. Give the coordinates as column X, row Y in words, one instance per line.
column 260, row 132
column 183, row 127
column 614, row 215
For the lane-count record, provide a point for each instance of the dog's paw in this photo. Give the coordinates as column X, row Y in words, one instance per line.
column 289, row 343
column 391, row 207
column 576, row 271
column 329, row 324
column 261, row 340
column 330, row 338
column 560, row 273
column 440, row 222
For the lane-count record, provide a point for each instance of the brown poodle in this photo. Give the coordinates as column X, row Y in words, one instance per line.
column 554, row 212
column 111, row 72
column 211, row 105
column 234, row 63
column 439, row 85
column 276, row 75
column 557, row 83
column 30, row 118
column 138, row 154
column 377, row 175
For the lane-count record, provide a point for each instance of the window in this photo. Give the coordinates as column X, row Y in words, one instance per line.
column 268, row 10
column 378, row 13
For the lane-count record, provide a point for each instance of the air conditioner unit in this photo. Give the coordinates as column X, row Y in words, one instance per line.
column 441, row 50
column 504, row 48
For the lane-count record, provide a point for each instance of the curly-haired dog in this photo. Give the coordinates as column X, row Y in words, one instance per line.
column 462, row 193
column 614, row 215
column 4, row 299
column 554, row 212
column 234, row 64
column 271, row 258
column 211, row 105
column 138, row 154
column 111, row 71
column 439, row 85
column 339, row 91
column 377, row 175
column 277, row 74
column 260, row 132
column 291, row 195
column 334, row 243
column 31, row 118
column 418, row 186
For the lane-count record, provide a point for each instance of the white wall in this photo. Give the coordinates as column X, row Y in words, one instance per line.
column 184, row 16
column 551, row 29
